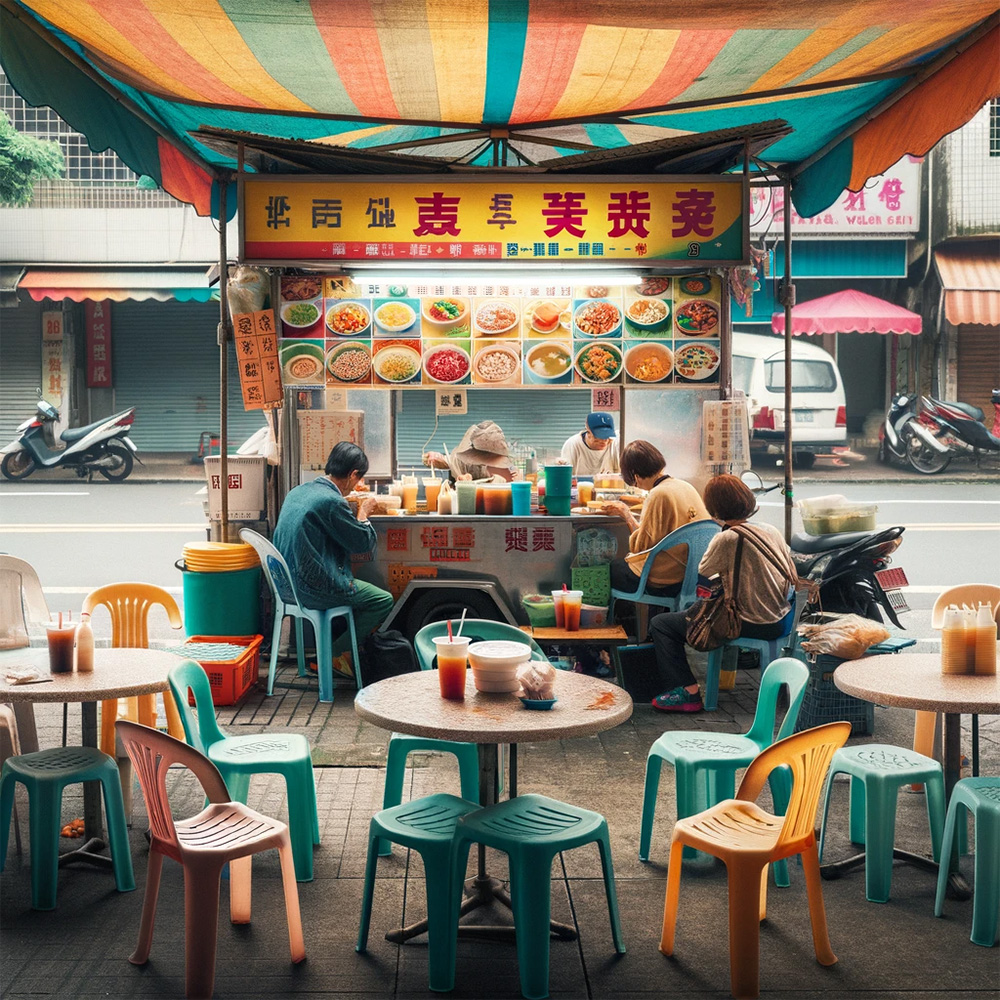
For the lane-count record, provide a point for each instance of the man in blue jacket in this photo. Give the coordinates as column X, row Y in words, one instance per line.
column 317, row 533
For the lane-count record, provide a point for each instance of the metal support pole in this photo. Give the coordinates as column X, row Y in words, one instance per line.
column 788, row 300
column 223, row 181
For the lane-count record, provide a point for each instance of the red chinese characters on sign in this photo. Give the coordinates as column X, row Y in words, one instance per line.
column 516, row 540
column 628, row 212
column 439, row 549
column 565, row 213
column 463, row 538
column 434, row 538
column 437, row 216
column 543, row 539
column 97, row 322
column 234, row 479
column 694, row 212
column 397, row 539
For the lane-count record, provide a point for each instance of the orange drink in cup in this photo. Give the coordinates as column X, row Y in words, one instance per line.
column 572, row 605
column 584, row 492
column 432, row 487
column 452, row 659
column 61, row 639
column 557, row 600
column 410, row 494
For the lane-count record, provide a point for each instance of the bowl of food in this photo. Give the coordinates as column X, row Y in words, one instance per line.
column 548, row 361
column 647, row 315
column 649, row 362
column 302, row 364
column 347, row 319
column 300, row 315
column 599, row 318
column 348, row 362
column 396, row 364
column 697, row 318
column 496, row 363
column 656, row 284
column 394, row 317
column 598, row 362
column 447, row 364
column 495, row 317
column 698, row 284
column 696, row 361
column 445, row 312
column 546, row 316
column 300, row 287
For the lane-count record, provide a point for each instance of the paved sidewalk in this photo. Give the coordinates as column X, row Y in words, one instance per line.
column 891, row 950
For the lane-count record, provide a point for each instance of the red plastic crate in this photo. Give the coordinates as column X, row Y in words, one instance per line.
column 230, row 679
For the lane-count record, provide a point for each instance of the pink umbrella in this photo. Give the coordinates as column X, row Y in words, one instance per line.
column 849, row 311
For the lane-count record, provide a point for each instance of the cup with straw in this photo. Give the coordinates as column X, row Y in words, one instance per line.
column 452, row 661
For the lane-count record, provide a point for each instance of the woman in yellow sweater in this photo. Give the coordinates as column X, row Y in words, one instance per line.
column 670, row 503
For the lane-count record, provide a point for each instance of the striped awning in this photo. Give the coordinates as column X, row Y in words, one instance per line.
column 184, row 285
column 860, row 84
column 970, row 276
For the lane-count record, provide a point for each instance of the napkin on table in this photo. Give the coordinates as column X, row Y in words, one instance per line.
column 23, row 675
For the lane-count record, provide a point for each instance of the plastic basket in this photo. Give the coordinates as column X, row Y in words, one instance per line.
column 824, row 702
column 230, row 677
column 594, row 581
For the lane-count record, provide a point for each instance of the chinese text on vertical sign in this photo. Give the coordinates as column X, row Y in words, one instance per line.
column 97, row 319
column 257, row 354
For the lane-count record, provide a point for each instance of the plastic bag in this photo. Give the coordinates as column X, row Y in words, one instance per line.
column 846, row 636
column 537, row 680
column 248, row 289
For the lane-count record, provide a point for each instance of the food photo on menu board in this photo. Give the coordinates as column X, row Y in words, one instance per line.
column 349, row 362
column 396, row 362
column 301, row 308
column 447, row 362
column 302, row 362
column 496, row 362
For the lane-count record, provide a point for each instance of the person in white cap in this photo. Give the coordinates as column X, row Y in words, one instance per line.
column 595, row 449
column 480, row 454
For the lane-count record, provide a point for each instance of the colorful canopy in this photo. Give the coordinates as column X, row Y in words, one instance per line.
column 860, row 84
column 849, row 311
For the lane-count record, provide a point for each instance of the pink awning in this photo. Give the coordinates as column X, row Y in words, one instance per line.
column 849, row 311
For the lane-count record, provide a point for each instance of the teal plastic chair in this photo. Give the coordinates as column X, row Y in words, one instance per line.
column 241, row 757
column 532, row 830
column 467, row 754
column 286, row 602
column 981, row 797
column 877, row 772
column 426, row 826
column 705, row 763
column 45, row 774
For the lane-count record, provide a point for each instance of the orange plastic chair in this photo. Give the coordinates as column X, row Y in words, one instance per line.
column 748, row 839
column 224, row 832
column 129, row 605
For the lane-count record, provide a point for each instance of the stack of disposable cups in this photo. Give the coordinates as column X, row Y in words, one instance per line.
column 558, row 489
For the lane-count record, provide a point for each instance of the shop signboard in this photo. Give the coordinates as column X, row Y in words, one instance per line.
column 320, row 430
column 663, row 220
column 97, row 322
column 53, row 376
column 256, row 340
column 435, row 333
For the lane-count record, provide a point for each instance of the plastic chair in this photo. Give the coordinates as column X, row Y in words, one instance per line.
column 981, row 797
column 705, row 763
column 532, row 830
column 426, row 826
column 45, row 774
column 877, row 771
column 748, row 839
column 129, row 605
column 286, row 602
column 224, row 832
column 696, row 535
column 241, row 757
column 10, row 746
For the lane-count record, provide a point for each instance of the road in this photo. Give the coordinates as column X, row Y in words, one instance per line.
column 81, row 536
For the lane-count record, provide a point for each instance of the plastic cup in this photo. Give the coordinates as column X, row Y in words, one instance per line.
column 572, row 605
column 585, row 492
column 558, row 506
column 558, row 480
column 432, row 487
column 557, row 600
column 452, row 660
column 520, row 492
column 466, row 493
column 410, row 497
column 480, row 499
column 497, row 499
column 61, row 642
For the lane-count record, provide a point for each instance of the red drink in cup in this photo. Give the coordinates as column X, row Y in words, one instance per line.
column 557, row 600
column 61, row 642
column 452, row 660
column 572, row 604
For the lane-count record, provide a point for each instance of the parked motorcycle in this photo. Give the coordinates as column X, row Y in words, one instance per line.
column 897, row 429
column 943, row 430
column 103, row 446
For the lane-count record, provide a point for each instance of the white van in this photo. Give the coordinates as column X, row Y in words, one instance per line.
column 819, row 408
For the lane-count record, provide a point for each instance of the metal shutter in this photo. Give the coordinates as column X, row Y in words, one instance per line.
column 542, row 419
column 20, row 365
column 978, row 366
column 166, row 364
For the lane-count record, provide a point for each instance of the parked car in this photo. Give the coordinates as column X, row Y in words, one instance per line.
column 819, row 407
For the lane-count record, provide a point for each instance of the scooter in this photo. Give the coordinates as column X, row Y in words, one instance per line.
column 943, row 430
column 896, row 431
column 103, row 446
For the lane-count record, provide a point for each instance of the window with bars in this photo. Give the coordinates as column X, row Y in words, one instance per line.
column 995, row 127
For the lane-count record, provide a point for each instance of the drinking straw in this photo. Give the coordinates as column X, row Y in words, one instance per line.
column 451, row 638
column 462, row 622
column 60, row 619
column 565, row 587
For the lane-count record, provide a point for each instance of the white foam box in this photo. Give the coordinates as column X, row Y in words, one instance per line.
column 246, row 486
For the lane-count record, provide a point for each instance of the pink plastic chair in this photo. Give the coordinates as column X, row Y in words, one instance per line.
column 224, row 832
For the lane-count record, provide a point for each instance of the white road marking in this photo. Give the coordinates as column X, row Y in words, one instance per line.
column 45, row 493
column 35, row 529
column 953, row 526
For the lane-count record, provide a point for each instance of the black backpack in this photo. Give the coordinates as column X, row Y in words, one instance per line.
column 387, row 654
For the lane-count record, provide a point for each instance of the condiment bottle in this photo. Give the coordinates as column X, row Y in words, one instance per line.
column 445, row 500
column 84, row 645
column 986, row 641
column 953, row 644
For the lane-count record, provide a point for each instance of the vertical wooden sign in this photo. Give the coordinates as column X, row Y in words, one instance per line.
column 257, row 355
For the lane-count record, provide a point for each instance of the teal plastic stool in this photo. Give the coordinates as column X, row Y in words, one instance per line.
column 705, row 763
column 426, row 826
column 241, row 757
column 877, row 771
column 532, row 830
column 45, row 774
column 981, row 796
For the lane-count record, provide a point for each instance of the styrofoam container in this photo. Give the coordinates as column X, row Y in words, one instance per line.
column 593, row 616
column 494, row 664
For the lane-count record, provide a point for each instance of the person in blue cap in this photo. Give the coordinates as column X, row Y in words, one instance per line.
column 595, row 449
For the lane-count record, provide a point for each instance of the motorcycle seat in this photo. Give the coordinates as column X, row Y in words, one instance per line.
column 75, row 433
column 810, row 544
column 973, row 411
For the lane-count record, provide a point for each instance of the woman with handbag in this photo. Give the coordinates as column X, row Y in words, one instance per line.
column 754, row 573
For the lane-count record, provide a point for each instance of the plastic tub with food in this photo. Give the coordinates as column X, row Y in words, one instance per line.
column 599, row 362
column 647, row 316
column 547, row 362
column 494, row 664
column 496, row 363
column 397, row 364
column 349, row 362
column 300, row 315
column 394, row 317
column 447, row 364
column 496, row 317
column 828, row 515
column 347, row 319
column 599, row 318
column 445, row 312
column 697, row 318
column 649, row 362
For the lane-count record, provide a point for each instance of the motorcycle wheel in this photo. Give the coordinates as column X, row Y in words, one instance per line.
column 883, row 452
column 925, row 459
column 122, row 468
column 17, row 465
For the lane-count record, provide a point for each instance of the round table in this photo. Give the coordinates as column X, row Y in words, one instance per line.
column 914, row 680
column 117, row 673
column 412, row 704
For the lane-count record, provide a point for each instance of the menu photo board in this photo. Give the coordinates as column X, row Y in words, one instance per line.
column 430, row 334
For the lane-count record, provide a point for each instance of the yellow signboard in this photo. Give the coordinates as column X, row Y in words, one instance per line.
column 678, row 220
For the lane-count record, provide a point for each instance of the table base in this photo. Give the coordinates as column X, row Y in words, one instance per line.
column 87, row 854
column 958, row 887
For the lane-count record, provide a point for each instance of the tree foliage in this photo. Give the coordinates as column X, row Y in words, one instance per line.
column 24, row 160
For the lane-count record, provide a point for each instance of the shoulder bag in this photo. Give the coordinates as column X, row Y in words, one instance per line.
column 715, row 619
